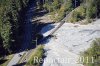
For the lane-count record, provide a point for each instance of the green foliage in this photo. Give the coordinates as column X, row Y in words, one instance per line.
column 56, row 4
column 60, row 12
column 73, row 17
column 77, row 14
column 5, row 33
column 88, row 9
column 9, row 10
column 93, row 51
column 5, row 25
column 39, row 54
column 91, row 9
column 48, row 7
column 52, row 5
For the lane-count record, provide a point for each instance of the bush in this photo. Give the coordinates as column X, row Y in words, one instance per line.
column 56, row 5
column 61, row 14
column 73, row 17
column 65, row 8
column 78, row 14
column 52, row 5
column 90, row 8
column 93, row 51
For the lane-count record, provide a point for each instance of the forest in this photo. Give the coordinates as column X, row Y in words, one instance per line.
column 10, row 20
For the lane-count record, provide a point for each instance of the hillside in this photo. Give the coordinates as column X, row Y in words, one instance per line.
column 68, row 42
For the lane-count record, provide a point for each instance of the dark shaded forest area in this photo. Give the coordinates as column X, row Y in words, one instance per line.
column 11, row 12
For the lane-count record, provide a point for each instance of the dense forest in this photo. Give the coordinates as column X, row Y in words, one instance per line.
column 11, row 17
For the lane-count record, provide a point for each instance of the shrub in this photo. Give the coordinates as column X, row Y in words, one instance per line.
column 52, row 5
column 56, row 5
column 90, row 8
column 38, row 53
column 93, row 51
column 78, row 14
column 61, row 14
column 65, row 8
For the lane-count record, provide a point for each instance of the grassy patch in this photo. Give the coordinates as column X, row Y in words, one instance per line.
column 37, row 53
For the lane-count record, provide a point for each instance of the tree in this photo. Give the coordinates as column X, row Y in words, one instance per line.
column 90, row 9
column 9, row 21
column 56, row 4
